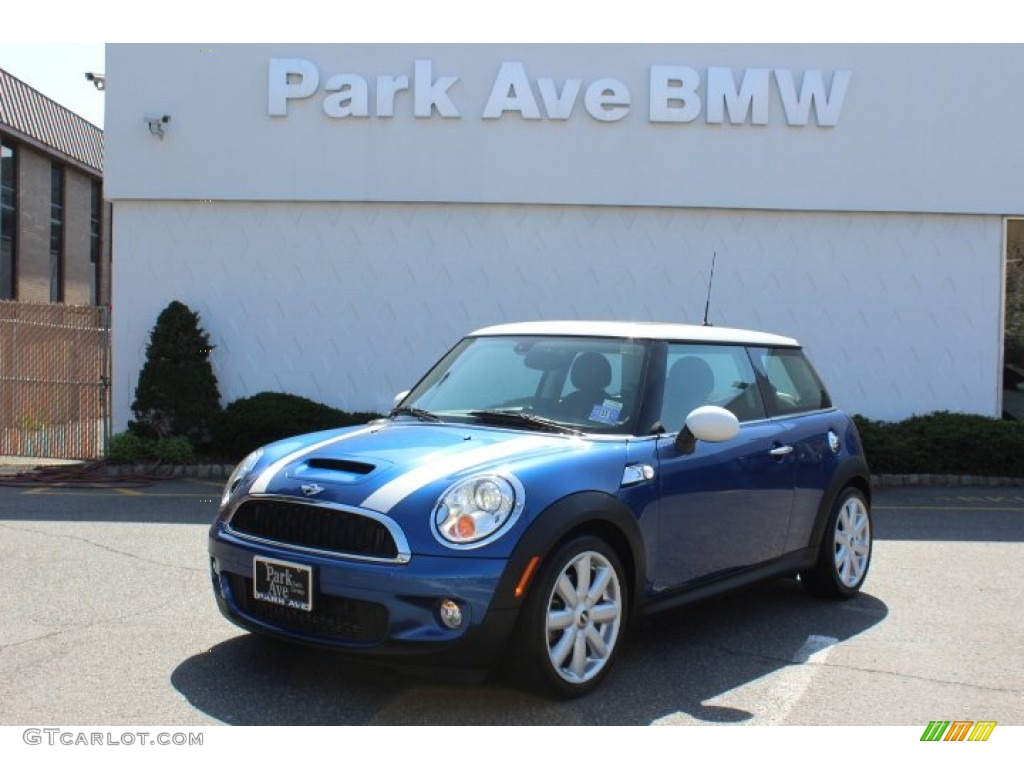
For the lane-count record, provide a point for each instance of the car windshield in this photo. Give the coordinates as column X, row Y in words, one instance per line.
column 573, row 384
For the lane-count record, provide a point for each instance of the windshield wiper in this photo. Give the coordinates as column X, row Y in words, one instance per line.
column 520, row 418
column 419, row 413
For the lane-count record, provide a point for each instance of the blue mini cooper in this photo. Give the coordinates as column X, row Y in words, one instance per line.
column 540, row 488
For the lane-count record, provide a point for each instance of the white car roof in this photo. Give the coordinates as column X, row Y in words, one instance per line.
column 638, row 330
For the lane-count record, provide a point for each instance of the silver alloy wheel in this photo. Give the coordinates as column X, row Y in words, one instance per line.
column 584, row 616
column 852, row 542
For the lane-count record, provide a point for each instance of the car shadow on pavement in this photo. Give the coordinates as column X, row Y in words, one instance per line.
column 674, row 663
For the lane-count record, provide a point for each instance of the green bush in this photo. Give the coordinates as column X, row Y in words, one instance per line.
column 263, row 418
column 174, row 450
column 128, row 448
column 944, row 443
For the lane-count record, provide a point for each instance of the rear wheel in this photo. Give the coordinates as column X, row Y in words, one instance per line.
column 574, row 618
column 845, row 549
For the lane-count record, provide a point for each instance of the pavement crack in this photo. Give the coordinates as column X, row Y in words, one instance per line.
column 29, row 640
column 98, row 545
column 71, row 629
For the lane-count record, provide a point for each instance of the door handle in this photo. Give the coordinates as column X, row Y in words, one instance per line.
column 782, row 450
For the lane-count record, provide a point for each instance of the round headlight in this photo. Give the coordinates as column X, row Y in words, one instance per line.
column 488, row 496
column 476, row 509
column 240, row 472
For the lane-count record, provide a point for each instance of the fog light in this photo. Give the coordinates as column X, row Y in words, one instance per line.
column 451, row 614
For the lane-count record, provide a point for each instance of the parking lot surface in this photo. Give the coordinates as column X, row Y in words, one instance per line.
column 108, row 618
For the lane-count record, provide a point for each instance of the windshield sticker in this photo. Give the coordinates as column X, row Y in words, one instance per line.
column 606, row 413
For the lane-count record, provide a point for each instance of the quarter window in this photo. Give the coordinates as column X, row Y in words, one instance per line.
column 793, row 386
column 704, row 374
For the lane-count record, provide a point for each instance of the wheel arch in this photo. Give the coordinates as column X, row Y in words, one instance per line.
column 852, row 473
column 588, row 512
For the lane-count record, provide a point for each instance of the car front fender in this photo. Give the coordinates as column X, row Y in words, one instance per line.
column 591, row 511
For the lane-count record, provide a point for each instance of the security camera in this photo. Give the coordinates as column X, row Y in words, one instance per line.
column 97, row 79
column 156, row 124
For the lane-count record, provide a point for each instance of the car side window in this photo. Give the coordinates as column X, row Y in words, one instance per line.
column 793, row 386
column 706, row 374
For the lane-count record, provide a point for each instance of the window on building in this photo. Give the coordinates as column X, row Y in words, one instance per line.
column 96, row 241
column 56, row 232
column 8, row 218
column 1013, row 322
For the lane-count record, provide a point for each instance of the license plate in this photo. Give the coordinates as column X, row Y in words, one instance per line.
column 283, row 583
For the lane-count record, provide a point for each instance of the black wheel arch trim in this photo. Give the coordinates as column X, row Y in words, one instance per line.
column 853, row 471
column 587, row 511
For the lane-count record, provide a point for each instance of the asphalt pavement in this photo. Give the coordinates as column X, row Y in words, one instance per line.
column 108, row 618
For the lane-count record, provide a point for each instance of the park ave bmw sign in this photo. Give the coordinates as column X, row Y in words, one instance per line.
column 676, row 94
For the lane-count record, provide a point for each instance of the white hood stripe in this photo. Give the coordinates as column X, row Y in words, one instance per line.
column 267, row 474
column 389, row 494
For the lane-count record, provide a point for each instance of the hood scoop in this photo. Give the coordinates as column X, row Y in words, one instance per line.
column 331, row 471
column 341, row 465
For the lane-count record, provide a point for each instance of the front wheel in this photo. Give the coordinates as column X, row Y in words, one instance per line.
column 574, row 618
column 845, row 549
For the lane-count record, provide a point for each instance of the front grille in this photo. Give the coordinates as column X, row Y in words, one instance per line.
column 332, row 618
column 315, row 527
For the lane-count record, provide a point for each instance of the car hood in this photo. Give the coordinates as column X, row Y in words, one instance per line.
column 381, row 465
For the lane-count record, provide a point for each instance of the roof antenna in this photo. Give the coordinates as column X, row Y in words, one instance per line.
column 707, row 304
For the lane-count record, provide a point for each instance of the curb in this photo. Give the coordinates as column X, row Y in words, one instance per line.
column 223, row 471
column 133, row 471
column 944, row 481
column 202, row 471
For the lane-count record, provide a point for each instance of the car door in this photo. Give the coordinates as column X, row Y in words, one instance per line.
column 725, row 506
column 797, row 400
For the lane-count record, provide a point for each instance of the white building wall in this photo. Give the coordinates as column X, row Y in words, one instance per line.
column 926, row 128
column 348, row 303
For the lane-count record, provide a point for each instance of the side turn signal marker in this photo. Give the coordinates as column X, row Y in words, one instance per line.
column 527, row 575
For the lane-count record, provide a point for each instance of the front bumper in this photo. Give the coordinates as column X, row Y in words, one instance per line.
column 389, row 611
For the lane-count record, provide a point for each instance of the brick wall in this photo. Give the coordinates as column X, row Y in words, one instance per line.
column 78, row 270
column 34, row 230
column 33, row 225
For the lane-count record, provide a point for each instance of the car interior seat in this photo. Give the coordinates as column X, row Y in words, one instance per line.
column 590, row 374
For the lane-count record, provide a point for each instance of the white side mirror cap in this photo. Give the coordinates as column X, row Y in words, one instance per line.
column 712, row 424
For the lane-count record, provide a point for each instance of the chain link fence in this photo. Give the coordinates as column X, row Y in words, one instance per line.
column 54, row 380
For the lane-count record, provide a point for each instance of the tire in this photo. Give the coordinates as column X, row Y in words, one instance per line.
column 565, row 646
column 845, row 551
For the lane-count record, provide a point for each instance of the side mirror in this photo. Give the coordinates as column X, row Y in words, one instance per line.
column 399, row 398
column 708, row 423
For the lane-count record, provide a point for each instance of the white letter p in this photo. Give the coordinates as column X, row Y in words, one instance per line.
column 279, row 89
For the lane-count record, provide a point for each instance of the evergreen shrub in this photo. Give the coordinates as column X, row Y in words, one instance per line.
column 250, row 422
column 944, row 443
column 177, row 393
